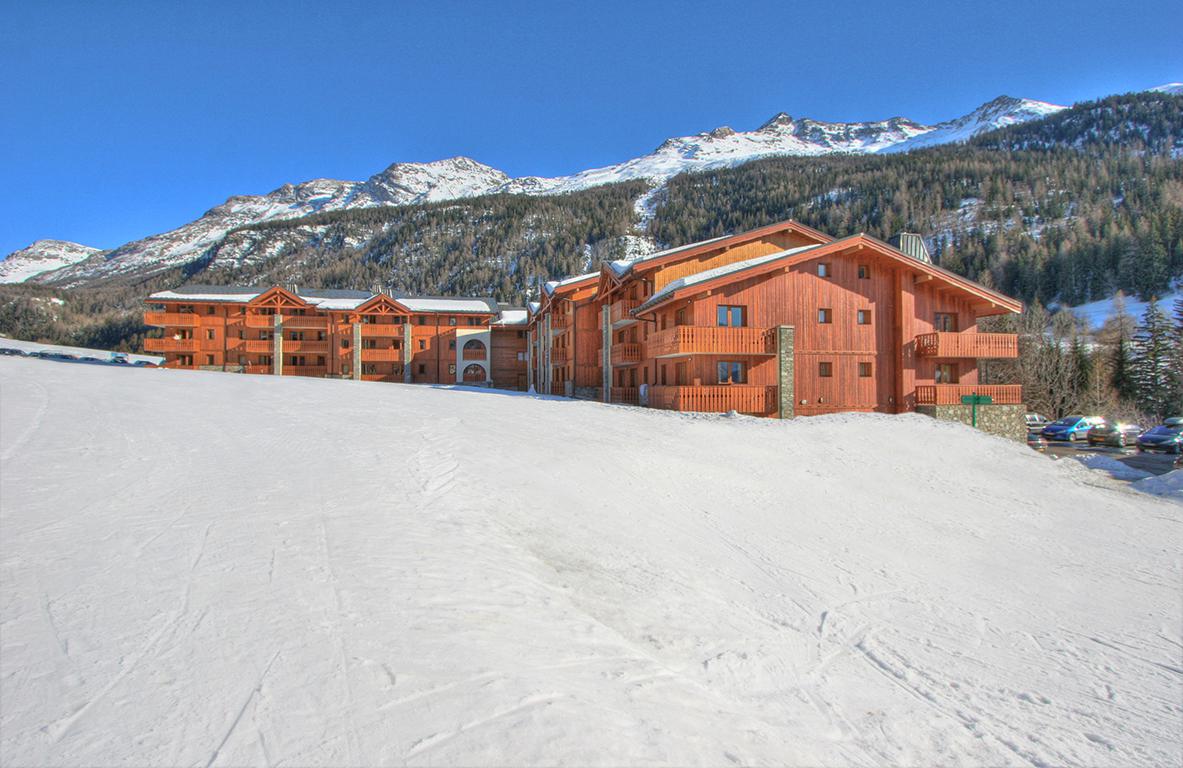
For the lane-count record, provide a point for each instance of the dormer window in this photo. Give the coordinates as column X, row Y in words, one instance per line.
column 823, row 269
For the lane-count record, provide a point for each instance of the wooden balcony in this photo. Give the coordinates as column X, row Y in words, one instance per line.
column 314, row 322
column 387, row 355
column 627, row 395
column 560, row 355
column 715, row 398
column 313, row 346
column 710, row 340
column 170, row 345
column 626, row 354
column 387, row 377
column 258, row 321
column 951, row 394
column 386, row 330
column 975, row 345
column 172, row 319
column 305, row 370
column 264, row 346
column 560, row 323
column 620, row 312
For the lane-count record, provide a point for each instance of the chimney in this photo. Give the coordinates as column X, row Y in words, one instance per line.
column 912, row 245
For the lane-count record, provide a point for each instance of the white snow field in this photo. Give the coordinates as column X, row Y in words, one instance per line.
column 208, row 569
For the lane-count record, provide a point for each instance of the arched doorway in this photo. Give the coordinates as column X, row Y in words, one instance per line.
column 474, row 349
column 474, row 374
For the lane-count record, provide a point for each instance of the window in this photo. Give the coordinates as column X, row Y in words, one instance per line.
column 369, row 343
column 267, row 311
column 241, row 334
column 209, row 334
column 451, row 321
column 521, row 334
column 864, row 317
column 823, row 269
column 451, row 343
column 297, row 360
column 185, row 309
column 209, row 359
column 946, row 373
column 825, row 315
column 422, row 368
column 732, row 373
column 680, row 317
column 945, row 321
column 731, row 316
column 864, row 272
column 422, row 344
column 864, row 370
column 264, row 335
column 422, row 320
column 264, row 359
column 396, row 344
column 242, row 359
column 295, row 336
column 344, row 343
column 369, row 368
column 474, row 321
column 825, row 370
column 320, row 360
column 320, row 335
column 211, row 310
column 663, row 375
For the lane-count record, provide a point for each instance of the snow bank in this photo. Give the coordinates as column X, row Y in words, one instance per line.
column 1168, row 486
column 1116, row 469
column 265, row 570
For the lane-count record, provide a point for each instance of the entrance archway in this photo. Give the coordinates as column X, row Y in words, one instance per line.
column 474, row 349
column 474, row 374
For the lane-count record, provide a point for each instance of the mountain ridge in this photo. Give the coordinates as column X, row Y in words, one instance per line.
column 410, row 183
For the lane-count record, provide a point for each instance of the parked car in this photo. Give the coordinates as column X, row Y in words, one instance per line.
column 1173, row 421
column 1114, row 433
column 10, row 351
column 1035, row 440
column 1035, row 421
column 119, row 358
column 1165, row 438
column 1071, row 428
column 1178, row 462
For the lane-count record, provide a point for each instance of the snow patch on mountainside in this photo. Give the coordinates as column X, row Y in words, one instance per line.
column 999, row 113
column 43, row 256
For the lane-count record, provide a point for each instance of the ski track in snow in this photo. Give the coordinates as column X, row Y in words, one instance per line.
column 311, row 572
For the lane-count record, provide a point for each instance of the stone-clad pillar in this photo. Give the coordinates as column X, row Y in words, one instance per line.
column 547, row 341
column 277, row 346
column 357, row 351
column 407, row 351
column 786, row 392
column 606, row 352
column 529, row 360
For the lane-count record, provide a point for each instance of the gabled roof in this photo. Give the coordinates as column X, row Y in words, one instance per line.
column 330, row 299
column 760, row 265
column 568, row 282
column 622, row 267
column 457, row 305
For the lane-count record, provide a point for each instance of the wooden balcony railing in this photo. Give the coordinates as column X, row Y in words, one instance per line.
column 387, row 355
column 560, row 323
column 315, row 322
column 259, row 321
column 716, row 398
column 381, row 329
column 626, row 354
column 306, row 345
column 170, row 345
column 388, row 377
column 172, row 319
column 619, row 313
column 977, row 345
column 710, row 340
column 560, row 355
column 305, row 370
column 264, row 346
column 627, row 395
column 951, row 394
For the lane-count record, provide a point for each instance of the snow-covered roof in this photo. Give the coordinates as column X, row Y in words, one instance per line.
column 329, row 299
column 512, row 316
column 623, row 266
column 233, row 293
column 554, row 285
column 446, row 304
column 711, row 274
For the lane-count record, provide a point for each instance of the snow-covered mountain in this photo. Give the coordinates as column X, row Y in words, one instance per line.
column 459, row 177
column 42, row 256
column 1175, row 89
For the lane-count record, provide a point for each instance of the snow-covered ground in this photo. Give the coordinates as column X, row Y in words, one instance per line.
column 1095, row 313
column 209, row 569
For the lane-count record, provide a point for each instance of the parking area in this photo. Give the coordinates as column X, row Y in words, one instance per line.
column 1155, row 463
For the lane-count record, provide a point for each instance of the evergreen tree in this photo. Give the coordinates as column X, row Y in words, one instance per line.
column 1153, row 353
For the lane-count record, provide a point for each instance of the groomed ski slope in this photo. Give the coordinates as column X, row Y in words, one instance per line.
column 208, row 569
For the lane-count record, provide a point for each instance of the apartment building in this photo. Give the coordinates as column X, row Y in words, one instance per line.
column 778, row 321
column 341, row 334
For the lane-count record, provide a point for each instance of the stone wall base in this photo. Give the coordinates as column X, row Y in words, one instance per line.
column 1002, row 420
column 588, row 393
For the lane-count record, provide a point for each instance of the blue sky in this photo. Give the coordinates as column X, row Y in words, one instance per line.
column 123, row 119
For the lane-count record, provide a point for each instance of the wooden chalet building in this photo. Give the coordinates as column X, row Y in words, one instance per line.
column 341, row 334
column 779, row 321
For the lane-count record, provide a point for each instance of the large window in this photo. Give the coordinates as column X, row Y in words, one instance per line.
column 732, row 373
column 732, row 316
column 946, row 373
column 945, row 321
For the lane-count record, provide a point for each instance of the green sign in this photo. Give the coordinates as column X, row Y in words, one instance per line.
column 975, row 400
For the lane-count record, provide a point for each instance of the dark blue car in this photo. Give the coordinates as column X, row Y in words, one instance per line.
column 1167, row 438
column 1071, row 428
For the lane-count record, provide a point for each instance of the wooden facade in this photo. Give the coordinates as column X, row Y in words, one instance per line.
column 340, row 334
column 698, row 328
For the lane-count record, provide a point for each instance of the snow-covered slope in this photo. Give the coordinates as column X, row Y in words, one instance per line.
column 458, row 177
column 318, row 572
column 1172, row 88
column 42, row 256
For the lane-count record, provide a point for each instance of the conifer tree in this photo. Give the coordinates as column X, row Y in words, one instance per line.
column 1153, row 351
